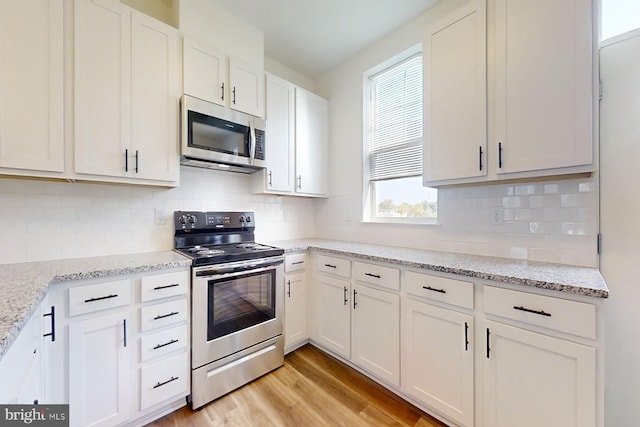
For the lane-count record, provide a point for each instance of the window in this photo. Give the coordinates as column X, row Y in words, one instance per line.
column 393, row 145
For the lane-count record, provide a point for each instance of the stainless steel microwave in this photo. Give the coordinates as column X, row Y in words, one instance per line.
column 215, row 137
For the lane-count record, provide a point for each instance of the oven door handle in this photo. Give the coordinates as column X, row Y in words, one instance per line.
column 257, row 265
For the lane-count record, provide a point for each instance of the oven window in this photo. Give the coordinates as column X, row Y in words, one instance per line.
column 214, row 134
column 240, row 302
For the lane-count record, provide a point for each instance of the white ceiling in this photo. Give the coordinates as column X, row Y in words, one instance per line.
column 313, row 36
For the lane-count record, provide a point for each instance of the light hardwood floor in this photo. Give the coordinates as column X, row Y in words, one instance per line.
column 311, row 389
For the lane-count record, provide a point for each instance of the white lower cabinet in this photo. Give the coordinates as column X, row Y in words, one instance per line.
column 531, row 379
column 438, row 354
column 295, row 310
column 100, row 365
column 121, row 349
column 333, row 320
column 375, row 332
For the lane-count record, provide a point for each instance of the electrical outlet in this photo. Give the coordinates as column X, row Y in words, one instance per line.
column 161, row 216
column 496, row 216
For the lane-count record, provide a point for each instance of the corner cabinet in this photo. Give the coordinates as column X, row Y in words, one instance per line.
column 31, row 87
column 544, row 85
column 455, row 96
column 127, row 92
column 212, row 75
column 297, row 142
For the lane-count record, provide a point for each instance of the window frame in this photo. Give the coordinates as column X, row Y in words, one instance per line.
column 369, row 201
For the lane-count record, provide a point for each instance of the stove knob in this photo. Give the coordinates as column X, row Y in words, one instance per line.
column 183, row 220
column 242, row 219
column 248, row 218
column 192, row 220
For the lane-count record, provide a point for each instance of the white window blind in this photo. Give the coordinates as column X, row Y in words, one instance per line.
column 395, row 121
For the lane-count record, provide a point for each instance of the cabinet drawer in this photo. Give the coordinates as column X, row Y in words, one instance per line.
column 102, row 296
column 164, row 285
column 387, row 277
column 443, row 289
column 332, row 265
column 165, row 314
column 295, row 262
column 161, row 343
column 168, row 378
column 572, row 317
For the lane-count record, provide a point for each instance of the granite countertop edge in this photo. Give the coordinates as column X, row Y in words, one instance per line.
column 584, row 281
column 25, row 285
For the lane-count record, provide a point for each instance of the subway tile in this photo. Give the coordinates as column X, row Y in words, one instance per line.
column 515, row 202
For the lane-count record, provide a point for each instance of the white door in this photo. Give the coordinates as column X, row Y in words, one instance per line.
column 100, row 368
column 204, row 71
column 295, row 309
column 333, row 319
column 246, row 85
column 533, row 380
column 280, row 140
column 155, row 98
column 619, row 213
column 102, row 113
column 31, row 88
column 375, row 333
column 312, row 141
column 544, row 84
column 455, row 96
column 438, row 354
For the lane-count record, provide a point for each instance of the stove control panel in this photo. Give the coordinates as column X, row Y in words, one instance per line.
column 212, row 220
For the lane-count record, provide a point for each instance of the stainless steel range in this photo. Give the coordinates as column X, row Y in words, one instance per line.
column 237, row 290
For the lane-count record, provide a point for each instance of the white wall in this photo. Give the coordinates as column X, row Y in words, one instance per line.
column 274, row 67
column 554, row 221
column 43, row 220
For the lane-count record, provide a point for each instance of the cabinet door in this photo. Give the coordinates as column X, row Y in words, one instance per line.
column 312, row 141
column 438, row 354
column 544, row 89
column 31, row 88
column 204, row 71
column 375, row 333
column 531, row 379
column 455, row 96
column 246, row 85
column 155, row 97
column 295, row 309
column 280, row 135
column 102, row 113
column 100, row 366
column 334, row 315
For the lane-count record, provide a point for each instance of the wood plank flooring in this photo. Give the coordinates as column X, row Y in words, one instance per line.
column 311, row 389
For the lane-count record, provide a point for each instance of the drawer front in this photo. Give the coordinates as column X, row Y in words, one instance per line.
column 332, row 265
column 295, row 262
column 165, row 314
column 101, row 296
column 162, row 343
column 572, row 317
column 164, row 285
column 387, row 277
column 166, row 379
column 442, row 289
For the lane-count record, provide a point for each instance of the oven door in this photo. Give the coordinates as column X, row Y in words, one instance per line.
column 234, row 306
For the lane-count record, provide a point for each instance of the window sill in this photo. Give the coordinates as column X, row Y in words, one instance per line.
column 379, row 221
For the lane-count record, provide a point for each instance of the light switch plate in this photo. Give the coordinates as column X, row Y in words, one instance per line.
column 496, row 216
column 161, row 216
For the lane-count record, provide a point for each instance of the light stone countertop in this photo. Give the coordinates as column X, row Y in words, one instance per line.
column 23, row 286
column 557, row 277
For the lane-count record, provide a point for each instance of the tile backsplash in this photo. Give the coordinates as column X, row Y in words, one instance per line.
column 552, row 221
column 42, row 220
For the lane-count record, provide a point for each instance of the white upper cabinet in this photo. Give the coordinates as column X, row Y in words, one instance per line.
column 155, row 93
column 212, row 75
column 312, row 142
column 544, row 85
column 126, row 93
column 280, row 115
column 204, row 71
column 246, row 83
column 31, row 85
column 455, row 96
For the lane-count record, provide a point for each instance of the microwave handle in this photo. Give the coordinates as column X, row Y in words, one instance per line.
column 252, row 144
